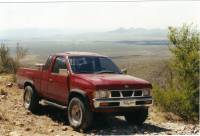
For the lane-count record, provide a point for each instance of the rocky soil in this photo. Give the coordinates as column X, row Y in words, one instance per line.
column 16, row 121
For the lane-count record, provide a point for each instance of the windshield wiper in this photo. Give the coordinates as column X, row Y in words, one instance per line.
column 104, row 71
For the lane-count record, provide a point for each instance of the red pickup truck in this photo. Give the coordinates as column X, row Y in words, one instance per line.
column 83, row 84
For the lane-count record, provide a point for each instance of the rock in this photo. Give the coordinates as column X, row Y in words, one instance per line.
column 162, row 133
column 28, row 113
column 64, row 128
column 193, row 128
column 27, row 129
column 55, row 124
column 3, row 97
column 70, row 128
column 92, row 134
column 50, row 130
column 9, row 84
column 185, row 128
column 3, row 92
column 195, row 131
column 169, row 133
column 14, row 133
column 154, row 133
column 19, row 124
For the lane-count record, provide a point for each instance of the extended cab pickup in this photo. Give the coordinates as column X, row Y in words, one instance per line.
column 84, row 84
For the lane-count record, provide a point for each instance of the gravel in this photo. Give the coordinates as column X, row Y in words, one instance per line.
column 49, row 121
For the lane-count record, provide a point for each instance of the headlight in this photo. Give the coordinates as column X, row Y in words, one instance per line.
column 146, row 92
column 102, row 94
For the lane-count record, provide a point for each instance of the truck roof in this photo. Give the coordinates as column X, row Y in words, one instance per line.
column 75, row 53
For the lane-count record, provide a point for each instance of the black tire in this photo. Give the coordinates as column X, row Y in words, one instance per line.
column 136, row 117
column 79, row 114
column 31, row 99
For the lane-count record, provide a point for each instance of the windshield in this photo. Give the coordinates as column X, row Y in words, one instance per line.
column 92, row 64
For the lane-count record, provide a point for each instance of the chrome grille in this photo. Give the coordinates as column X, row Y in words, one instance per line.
column 126, row 93
column 115, row 94
column 138, row 93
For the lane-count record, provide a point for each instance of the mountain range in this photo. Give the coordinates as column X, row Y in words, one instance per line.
column 120, row 34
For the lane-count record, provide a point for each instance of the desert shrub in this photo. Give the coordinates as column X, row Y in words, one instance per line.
column 3, row 92
column 175, row 101
column 5, row 59
column 181, row 93
column 10, row 64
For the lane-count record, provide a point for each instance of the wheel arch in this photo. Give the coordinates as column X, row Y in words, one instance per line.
column 28, row 83
column 78, row 93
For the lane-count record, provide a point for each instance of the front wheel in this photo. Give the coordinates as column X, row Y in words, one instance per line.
column 79, row 114
column 136, row 117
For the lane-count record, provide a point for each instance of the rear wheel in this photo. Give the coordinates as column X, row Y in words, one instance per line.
column 31, row 99
column 136, row 117
column 79, row 114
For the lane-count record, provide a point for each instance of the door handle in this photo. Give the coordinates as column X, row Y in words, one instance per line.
column 50, row 80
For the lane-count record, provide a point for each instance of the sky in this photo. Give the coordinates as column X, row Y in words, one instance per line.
column 98, row 16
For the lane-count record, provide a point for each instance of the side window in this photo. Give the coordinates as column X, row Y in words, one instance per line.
column 59, row 64
column 48, row 63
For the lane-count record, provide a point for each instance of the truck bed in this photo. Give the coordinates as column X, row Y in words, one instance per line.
column 28, row 74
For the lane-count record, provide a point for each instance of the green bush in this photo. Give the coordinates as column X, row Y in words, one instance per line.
column 10, row 64
column 175, row 101
column 180, row 94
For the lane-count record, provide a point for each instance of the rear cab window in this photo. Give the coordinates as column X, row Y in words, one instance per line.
column 59, row 65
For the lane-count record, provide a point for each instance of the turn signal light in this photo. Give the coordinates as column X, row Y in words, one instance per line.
column 104, row 104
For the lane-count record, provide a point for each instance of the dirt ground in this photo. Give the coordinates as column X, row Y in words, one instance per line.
column 16, row 121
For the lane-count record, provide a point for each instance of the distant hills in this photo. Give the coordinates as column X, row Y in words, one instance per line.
column 120, row 34
column 30, row 33
column 141, row 31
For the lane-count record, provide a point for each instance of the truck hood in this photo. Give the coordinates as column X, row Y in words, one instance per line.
column 115, row 81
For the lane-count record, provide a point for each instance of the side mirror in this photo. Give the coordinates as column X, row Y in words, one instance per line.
column 64, row 72
column 124, row 71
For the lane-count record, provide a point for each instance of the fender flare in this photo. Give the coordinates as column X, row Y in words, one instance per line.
column 79, row 92
column 28, row 82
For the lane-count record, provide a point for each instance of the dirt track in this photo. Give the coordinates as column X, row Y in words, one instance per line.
column 16, row 121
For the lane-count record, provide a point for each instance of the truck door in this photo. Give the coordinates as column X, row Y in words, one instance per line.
column 58, row 82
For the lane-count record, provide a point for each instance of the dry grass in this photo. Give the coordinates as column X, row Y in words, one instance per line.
column 157, row 115
column 49, row 121
column 145, row 67
column 15, row 119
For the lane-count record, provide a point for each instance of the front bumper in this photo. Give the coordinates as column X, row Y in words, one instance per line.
column 123, row 102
